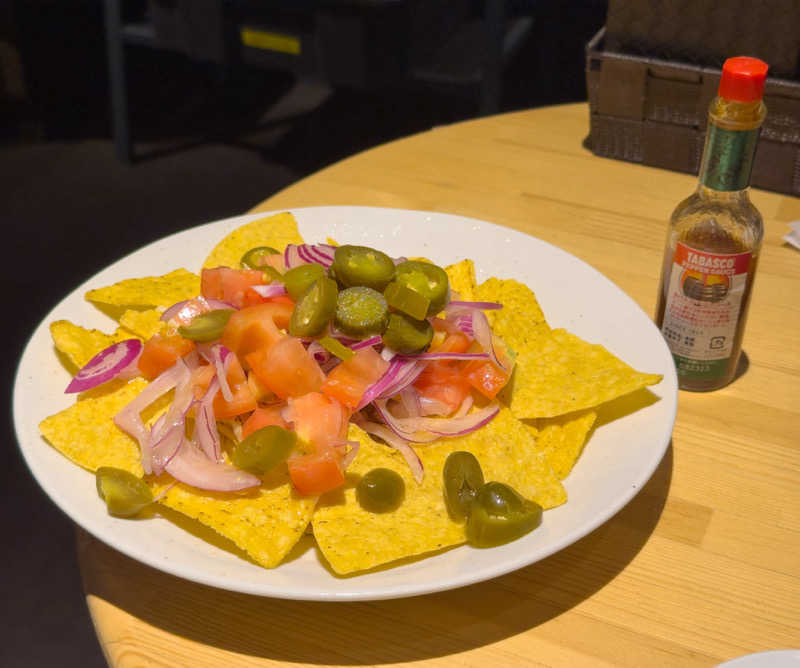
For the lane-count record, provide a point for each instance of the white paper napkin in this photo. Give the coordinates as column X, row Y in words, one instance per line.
column 793, row 237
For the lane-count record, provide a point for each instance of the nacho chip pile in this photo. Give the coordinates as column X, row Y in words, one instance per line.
column 532, row 444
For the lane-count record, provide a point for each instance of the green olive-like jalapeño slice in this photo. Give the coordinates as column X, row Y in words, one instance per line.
column 428, row 279
column 206, row 326
column 361, row 311
column 361, row 265
column 264, row 449
column 463, row 478
column 124, row 493
column 254, row 258
column 380, row 490
column 499, row 514
column 314, row 310
column 407, row 335
column 300, row 277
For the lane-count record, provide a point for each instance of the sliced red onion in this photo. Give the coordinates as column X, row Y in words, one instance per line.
column 399, row 444
column 430, row 406
column 415, row 428
column 400, row 374
column 483, row 306
column 162, row 442
column 163, row 450
column 107, row 364
column 186, row 311
column 351, row 453
column 319, row 352
column 398, row 425
column 220, row 357
column 411, row 401
column 274, row 289
column 463, row 409
column 129, row 419
column 366, row 343
column 445, row 356
column 205, row 432
column 192, row 467
column 483, row 335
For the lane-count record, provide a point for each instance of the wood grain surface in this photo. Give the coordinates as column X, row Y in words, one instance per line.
column 701, row 566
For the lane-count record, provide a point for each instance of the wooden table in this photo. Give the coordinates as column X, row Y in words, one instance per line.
column 702, row 566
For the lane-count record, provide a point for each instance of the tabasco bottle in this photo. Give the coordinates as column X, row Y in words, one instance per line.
column 714, row 238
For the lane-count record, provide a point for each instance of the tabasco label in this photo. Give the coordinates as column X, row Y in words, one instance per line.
column 703, row 302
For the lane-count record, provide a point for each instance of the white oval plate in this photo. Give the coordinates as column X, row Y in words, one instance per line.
column 619, row 459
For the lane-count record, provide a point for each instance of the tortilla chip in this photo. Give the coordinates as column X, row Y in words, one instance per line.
column 143, row 324
column 462, row 279
column 353, row 539
column 562, row 374
column 86, row 434
column 149, row 292
column 266, row 523
column 520, row 323
column 276, row 231
column 79, row 344
column 561, row 439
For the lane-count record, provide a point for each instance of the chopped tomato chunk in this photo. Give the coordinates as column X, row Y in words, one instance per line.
column 316, row 473
column 318, row 419
column 264, row 416
column 443, row 381
column 348, row 380
column 256, row 327
column 286, row 368
column 231, row 285
column 486, row 377
column 243, row 400
column 160, row 352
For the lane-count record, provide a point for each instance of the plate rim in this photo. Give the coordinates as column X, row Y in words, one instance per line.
column 356, row 593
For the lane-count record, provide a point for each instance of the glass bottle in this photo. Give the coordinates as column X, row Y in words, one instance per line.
column 714, row 238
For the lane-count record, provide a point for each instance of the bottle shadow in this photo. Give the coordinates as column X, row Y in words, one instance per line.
column 440, row 624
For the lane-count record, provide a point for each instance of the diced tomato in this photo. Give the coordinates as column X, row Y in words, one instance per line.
column 454, row 342
column 256, row 327
column 264, row 416
column 318, row 420
column 316, row 473
column 486, row 377
column 286, row 368
column 242, row 402
column 443, row 381
column 201, row 379
column 160, row 352
column 231, row 285
column 349, row 379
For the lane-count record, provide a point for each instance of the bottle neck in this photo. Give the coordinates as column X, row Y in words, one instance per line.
column 730, row 145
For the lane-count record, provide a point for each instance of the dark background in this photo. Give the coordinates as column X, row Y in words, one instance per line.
column 212, row 142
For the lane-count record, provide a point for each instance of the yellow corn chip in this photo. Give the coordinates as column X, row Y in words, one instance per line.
column 353, row 539
column 462, row 279
column 562, row 373
column 276, row 231
column 149, row 292
column 143, row 324
column 78, row 345
column 520, row 322
column 86, row 434
column 562, row 438
column 266, row 523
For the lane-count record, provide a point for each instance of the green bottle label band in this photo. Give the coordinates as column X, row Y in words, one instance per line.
column 728, row 158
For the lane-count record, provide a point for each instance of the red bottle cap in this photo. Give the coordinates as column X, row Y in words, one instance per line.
column 743, row 79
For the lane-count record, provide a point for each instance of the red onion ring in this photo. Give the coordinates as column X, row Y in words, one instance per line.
column 107, row 364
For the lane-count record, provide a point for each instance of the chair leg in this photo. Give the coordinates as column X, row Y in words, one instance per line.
column 115, row 51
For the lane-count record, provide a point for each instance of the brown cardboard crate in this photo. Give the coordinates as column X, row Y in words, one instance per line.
column 654, row 112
